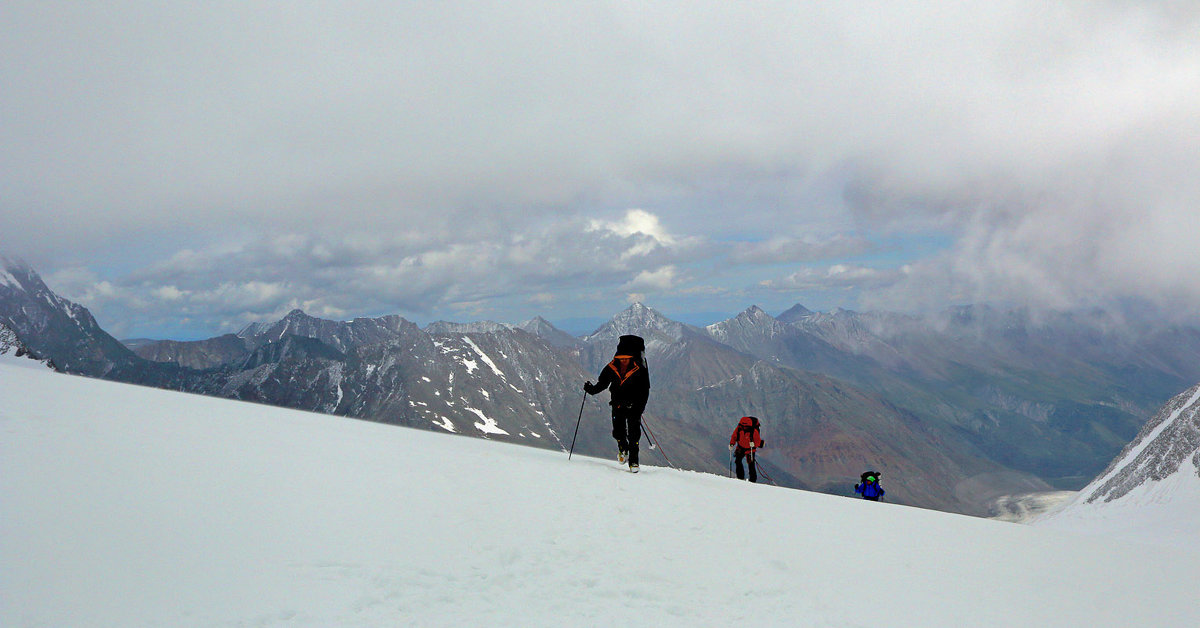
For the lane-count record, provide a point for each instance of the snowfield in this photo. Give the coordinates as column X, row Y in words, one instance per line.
column 127, row 506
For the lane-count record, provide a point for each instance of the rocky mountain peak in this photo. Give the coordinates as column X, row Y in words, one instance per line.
column 754, row 320
column 53, row 326
column 9, row 269
column 639, row 315
column 546, row 330
column 794, row 313
column 756, row 313
column 640, row 320
column 17, row 276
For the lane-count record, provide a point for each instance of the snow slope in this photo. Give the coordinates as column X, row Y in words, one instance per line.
column 128, row 506
column 1151, row 491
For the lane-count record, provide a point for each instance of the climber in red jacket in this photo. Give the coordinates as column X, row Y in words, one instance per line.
column 744, row 442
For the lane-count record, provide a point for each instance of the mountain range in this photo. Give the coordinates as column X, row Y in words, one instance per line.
column 955, row 409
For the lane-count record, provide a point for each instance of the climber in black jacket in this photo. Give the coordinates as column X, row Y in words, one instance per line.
column 628, row 382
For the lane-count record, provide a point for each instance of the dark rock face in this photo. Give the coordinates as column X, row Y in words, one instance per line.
column 339, row 335
column 56, row 328
column 200, row 355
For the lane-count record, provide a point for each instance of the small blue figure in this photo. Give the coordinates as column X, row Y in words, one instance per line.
column 869, row 488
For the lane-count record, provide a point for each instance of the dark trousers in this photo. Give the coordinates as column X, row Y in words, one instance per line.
column 627, row 430
column 737, row 459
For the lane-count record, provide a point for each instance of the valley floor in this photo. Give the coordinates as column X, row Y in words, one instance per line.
column 1030, row 506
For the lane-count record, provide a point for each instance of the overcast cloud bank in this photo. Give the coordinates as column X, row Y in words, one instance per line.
column 228, row 161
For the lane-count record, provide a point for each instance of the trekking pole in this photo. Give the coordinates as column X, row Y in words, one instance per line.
column 730, row 463
column 577, row 425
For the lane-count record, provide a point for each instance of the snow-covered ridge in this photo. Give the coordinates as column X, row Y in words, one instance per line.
column 754, row 318
column 254, row 329
column 265, row 516
column 1151, row 491
column 1159, row 450
column 479, row 327
column 14, row 352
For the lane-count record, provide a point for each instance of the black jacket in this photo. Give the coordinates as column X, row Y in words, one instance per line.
column 626, row 377
column 628, row 383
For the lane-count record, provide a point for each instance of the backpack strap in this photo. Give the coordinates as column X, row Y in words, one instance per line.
column 633, row 368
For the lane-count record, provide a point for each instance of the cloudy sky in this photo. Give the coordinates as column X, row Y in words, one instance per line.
column 184, row 168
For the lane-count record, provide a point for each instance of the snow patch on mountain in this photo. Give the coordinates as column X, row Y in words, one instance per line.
column 488, row 425
column 254, row 329
column 484, row 357
column 336, row 376
column 445, row 424
column 9, row 268
column 8, row 279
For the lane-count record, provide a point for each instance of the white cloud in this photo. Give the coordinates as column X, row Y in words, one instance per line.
column 642, row 228
column 837, row 276
column 224, row 287
column 168, row 293
column 636, row 222
column 777, row 250
column 361, row 161
column 659, row 279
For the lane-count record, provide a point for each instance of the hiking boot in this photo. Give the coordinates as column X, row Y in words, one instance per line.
column 633, row 468
column 622, row 455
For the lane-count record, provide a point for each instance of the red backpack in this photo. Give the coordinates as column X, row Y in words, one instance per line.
column 747, row 435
